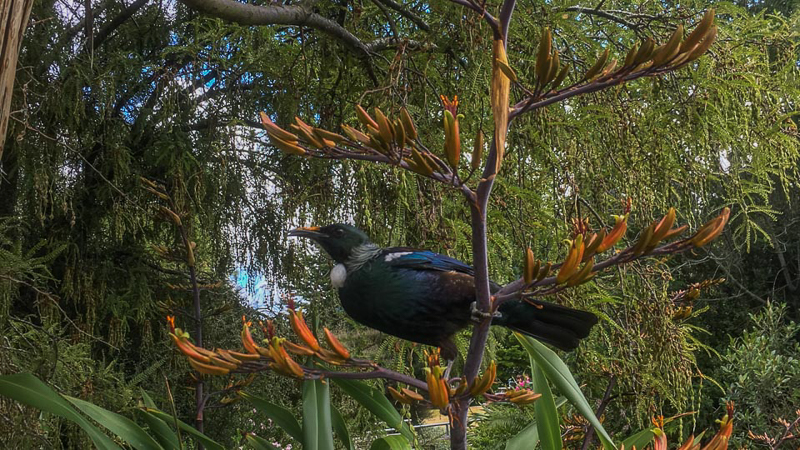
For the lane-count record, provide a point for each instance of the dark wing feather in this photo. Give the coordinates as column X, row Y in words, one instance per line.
column 424, row 260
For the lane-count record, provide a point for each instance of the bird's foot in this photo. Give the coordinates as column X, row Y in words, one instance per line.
column 478, row 316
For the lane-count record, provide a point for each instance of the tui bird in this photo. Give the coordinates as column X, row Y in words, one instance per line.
column 425, row 297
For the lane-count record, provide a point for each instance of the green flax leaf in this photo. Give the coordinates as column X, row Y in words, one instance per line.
column 639, row 440
column 376, row 403
column 29, row 390
column 546, row 413
column 558, row 373
column 279, row 415
column 390, row 443
column 340, row 428
column 126, row 429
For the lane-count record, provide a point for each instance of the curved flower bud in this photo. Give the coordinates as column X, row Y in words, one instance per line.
column 337, row 346
column 301, row 329
column 616, row 233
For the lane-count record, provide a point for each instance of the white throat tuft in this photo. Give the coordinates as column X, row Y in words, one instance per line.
column 338, row 275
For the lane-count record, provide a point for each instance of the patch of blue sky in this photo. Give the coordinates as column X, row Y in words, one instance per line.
column 259, row 294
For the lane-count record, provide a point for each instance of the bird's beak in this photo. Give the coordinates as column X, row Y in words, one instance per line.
column 308, row 232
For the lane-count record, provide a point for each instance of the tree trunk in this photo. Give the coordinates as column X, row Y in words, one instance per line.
column 14, row 16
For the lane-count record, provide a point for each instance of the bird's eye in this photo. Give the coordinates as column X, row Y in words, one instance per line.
column 338, row 232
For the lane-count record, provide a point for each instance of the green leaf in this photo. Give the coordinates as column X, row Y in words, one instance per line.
column 558, row 374
column 325, row 438
column 395, row 442
column 192, row 431
column 126, row 429
column 639, row 440
column 376, row 403
column 525, row 439
column 160, row 430
column 529, row 437
column 317, row 430
column 545, row 409
column 279, row 415
column 29, row 390
column 340, row 428
column 148, row 402
column 259, row 443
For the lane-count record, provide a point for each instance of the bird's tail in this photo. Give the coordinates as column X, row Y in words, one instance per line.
column 553, row 324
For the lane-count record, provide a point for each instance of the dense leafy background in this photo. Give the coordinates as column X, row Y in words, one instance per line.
column 173, row 96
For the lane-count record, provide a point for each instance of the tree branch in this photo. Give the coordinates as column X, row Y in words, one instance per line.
column 277, row 14
column 392, row 42
column 110, row 27
column 603, row 14
column 587, row 441
column 505, row 17
column 407, row 14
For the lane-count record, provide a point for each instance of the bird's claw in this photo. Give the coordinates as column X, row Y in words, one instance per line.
column 479, row 316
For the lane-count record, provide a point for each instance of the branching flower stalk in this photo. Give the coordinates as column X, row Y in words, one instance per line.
column 393, row 140
column 169, row 212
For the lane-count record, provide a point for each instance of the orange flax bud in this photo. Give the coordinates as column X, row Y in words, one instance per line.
column 433, row 387
column 408, row 124
column 282, row 360
column 200, row 350
column 570, row 264
column 298, row 349
column 583, row 275
column 222, row 353
column 244, row 356
column 187, row 350
column 384, row 127
column 482, row 385
column 445, row 394
column 593, row 243
column 413, row 395
column 247, row 339
column 645, row 238
column 452, row 140
column 711, row 229
column 675, row 232
column 689, row 444
column 615, row 235
column 207, row 368
column 529, row 271
column 720, row 440
column 330, row 357
column 522, row 397
column 171, row 322
column 227, row 355
column 275, row 130
column 337, row 346
column 302, row 331
column 365, row 118
column 399, row 397
column 294, row 368
column 223, row 363
column 580, row 246
column 664, row 226
column 355, row 135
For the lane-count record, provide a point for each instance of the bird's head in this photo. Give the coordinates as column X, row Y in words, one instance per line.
column 338, row 240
